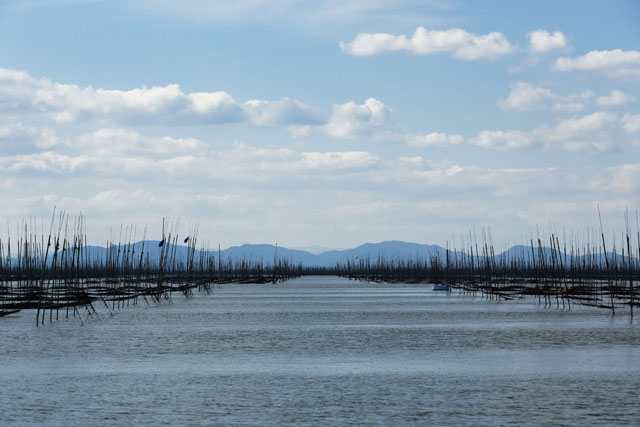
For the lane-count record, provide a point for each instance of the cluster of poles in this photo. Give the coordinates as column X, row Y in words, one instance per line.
column 59, row 275
column 580, row 269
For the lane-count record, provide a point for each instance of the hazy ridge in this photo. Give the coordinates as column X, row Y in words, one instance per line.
column 389, row 250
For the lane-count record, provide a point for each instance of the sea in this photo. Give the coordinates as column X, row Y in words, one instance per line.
column 321, row 350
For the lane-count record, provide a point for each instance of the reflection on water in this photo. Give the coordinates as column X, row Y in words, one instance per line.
column 324, row 350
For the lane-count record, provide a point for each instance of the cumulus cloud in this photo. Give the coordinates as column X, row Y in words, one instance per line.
column 528, row 97
column 599, row 131
column 615, row 99
column 581, row 127
column 434, row 139
column 285, row 111
column 592, row 132
column 460, row 43
column 351, row 120
column 612, row 63
column 20, row 93
column 19, row 139
column 502, row 140
column 631, row 122
column 541, row 41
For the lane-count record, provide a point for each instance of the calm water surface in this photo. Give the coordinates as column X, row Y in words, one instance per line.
column 323, row 350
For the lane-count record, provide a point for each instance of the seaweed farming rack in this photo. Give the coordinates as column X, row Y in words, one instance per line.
column 57, row 274
column 575, row 270
column 60, row 275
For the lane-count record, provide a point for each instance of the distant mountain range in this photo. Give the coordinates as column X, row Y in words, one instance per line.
column 389, row 250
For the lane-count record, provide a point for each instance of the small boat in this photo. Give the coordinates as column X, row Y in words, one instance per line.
column 439, row 287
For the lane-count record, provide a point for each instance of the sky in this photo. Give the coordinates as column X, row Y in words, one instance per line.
column 328, row 123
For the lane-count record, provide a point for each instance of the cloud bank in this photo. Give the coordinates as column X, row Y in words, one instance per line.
column 160, row 105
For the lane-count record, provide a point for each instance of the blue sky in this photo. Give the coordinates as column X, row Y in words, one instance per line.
column 331, row 123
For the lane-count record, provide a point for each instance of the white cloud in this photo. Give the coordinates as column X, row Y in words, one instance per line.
column 122, row 154
column 299, row 131
column 502, row 140
column 245, row 162
column 20, row 139
column 48, row 162
column 442, row 175
column 412, row 162
column 590, row 145
column 285, row 111
column 282, row 112
column 219, row 106
column 581, row 127
column 573, row 102
column 599, row 131
column 592, row 132
column 337, row 160
column 471, row 181
column 351, row 120
column 434, row 139
column 119, row 200
column 160, row 105
column 528, row 97
column 113, row 142
column 67, row 102
column 631, row 122
column 460, row 43
column 619, row 179
column 258, row 188
column 569, row 106
column 613, row 63
column 615, row 99
column 541, row 41
column 15, row 90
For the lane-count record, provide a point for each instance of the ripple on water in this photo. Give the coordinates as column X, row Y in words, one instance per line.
column 324, row 351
